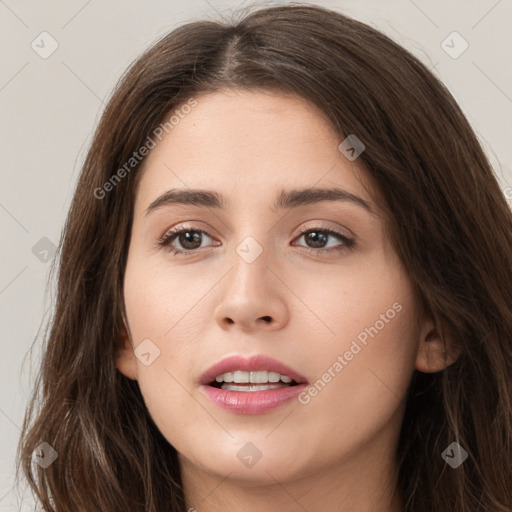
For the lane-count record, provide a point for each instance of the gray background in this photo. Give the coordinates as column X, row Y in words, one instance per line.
column 50, row 106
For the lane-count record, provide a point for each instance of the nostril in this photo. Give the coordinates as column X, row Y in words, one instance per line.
column 266, row 318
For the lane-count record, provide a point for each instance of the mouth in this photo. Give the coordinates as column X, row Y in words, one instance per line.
column 255, row 385
column 254, row 373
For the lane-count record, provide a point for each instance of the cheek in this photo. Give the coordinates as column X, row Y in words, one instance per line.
column 159, row 301
column 164, row 307
column 360, row 388
column 370, row 299
column 362, row 355
column 362, row 373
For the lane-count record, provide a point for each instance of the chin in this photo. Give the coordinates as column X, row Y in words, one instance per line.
column 237, row 463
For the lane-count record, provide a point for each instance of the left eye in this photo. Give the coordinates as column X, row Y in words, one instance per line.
column 190, row 240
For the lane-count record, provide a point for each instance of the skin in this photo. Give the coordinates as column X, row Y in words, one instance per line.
column 337, row 451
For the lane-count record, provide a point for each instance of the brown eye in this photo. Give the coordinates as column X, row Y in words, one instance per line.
column 188, row 240
column 318, row 238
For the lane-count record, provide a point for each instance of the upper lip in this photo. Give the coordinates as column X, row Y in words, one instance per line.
column 258, row 362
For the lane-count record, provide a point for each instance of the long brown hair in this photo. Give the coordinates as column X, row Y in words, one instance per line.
column 448, row 221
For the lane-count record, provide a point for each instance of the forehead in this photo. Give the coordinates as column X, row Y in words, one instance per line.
column 248, row 144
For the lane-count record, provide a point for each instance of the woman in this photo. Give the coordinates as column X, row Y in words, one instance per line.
column 285, row 283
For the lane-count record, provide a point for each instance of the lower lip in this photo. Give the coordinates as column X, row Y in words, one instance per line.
column 252, row 402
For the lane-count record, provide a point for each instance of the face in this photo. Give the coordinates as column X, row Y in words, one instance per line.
column 312, row 284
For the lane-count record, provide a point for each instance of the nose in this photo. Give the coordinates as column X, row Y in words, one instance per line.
column 252, row 297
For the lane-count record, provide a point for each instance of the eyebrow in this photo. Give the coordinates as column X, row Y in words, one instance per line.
column 285, row 199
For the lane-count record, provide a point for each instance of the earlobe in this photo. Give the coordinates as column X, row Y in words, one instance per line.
column 125, row 359
column 434, row 355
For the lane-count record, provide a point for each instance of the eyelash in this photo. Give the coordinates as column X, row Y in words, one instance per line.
column 170, row 235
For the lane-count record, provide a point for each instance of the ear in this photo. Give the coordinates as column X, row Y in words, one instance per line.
column 434, row 354
column 125, row 359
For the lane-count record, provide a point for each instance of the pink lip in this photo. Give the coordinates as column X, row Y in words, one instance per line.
column 251, row 402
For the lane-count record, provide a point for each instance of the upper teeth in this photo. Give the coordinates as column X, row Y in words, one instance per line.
column 254, row 377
